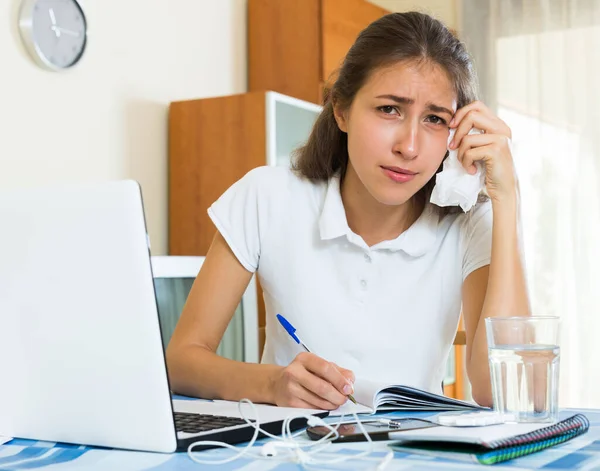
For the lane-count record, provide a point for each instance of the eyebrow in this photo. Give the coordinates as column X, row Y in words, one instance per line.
column 409, row 101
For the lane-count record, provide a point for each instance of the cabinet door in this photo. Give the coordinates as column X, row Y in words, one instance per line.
column 213, row 142
column 342, row 21
column 284, row 47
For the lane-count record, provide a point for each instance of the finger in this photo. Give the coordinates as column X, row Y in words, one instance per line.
column 462, row 112
column 348, row 374
column 314, row 401
column 474, row 119
column 302, row 404
column 298, row 379
column 476, row 154
column 330, row 373
column 312, row 379
column 474, row 140
column 321, row 388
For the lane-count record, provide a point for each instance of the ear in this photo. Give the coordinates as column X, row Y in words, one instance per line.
column 340, row 118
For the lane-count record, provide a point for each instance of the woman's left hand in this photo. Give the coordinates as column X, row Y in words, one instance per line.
column 492, row 147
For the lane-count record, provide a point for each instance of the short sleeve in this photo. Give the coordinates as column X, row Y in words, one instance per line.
column 242, row 214
column 477, row 238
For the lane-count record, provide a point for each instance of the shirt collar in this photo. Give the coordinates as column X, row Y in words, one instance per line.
column 415, row 241
column 333, row 222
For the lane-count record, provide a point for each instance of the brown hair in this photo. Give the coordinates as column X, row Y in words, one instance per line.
column 394, row 38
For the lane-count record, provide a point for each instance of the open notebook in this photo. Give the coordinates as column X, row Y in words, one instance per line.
column 376, row 397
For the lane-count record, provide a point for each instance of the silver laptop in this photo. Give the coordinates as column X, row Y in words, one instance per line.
column 81, row 356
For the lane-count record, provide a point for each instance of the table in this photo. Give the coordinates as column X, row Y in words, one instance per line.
column 581, row 453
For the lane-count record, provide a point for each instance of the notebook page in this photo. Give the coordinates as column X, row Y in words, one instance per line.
column 472, row 435
column 349, row 407
column 365, row 392
column 420, row 397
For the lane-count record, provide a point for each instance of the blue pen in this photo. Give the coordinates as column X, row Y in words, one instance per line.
column 290, row 329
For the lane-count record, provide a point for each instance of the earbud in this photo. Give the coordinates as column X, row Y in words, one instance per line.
column 270, row 448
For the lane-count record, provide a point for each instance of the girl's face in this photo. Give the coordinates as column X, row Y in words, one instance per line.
column 397, row 129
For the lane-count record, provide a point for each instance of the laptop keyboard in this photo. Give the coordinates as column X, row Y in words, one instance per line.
column 196, row 423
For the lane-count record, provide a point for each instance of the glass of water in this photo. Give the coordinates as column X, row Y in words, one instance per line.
column 524, row 359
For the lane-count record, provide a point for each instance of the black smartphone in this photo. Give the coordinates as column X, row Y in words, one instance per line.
column 378, row 429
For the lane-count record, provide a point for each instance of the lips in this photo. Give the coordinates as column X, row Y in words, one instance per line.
column 399, row 170
column 398, row 175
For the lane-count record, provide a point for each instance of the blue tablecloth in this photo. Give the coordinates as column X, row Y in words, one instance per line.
column 580, row 453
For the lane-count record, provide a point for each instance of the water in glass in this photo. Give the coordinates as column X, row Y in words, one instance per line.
column 525, row 381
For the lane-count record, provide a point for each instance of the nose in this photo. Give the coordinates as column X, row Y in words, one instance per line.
column 407, row 138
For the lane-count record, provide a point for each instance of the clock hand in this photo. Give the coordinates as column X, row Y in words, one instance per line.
column 53, row 21
column 58, row 30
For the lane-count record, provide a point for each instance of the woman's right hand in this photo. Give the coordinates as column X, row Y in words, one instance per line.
column 311, row 382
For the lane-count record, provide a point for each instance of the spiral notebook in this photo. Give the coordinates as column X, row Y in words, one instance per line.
column 491, row 444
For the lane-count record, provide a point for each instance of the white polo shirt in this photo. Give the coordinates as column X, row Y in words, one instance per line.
column 388, row 312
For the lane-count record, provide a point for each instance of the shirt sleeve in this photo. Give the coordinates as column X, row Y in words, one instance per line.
column 477, row 238
column 242, row 215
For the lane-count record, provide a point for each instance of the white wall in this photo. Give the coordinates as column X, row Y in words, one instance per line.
column 107, row 118
column 444, row 10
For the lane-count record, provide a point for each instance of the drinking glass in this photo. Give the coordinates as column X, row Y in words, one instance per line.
column 524, row 359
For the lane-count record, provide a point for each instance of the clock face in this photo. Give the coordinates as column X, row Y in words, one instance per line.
column 58, row 32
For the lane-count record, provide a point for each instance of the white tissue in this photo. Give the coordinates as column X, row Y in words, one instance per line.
column 454, row 186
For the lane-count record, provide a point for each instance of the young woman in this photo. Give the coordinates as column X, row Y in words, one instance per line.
column 347, row 246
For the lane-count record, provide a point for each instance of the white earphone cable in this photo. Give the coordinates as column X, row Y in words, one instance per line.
column 289, row 441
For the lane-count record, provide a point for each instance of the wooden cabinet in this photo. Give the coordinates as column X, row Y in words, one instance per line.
column 294, row 46
column 213, row 142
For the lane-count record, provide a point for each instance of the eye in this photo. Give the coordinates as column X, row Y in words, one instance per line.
column 388, row 109
column 436, row 120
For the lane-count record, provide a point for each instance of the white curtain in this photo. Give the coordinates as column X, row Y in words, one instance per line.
column 539, row 67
